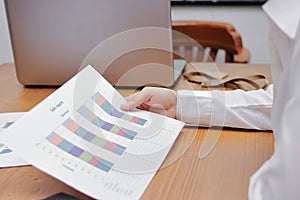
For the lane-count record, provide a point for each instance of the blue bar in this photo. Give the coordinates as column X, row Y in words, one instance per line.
column 119, row 149
column 81, row 132
column 67, row 122
column 107, row 107
column 84, row 111
column 130, row 134
column 50, row 136
column 65, row 145
column 106, row 163
column 96, row 95
column 141, row 121
column 103, row 167
column 98, row 122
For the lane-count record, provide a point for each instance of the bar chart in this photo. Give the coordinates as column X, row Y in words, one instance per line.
column 92, row 138
column 111, row 110
column 92, row 133
column 107, row 126
column 78, row 152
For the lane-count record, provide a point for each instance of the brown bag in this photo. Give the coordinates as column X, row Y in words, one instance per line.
column 251, row 82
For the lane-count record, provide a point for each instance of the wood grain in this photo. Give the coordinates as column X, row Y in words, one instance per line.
column 223, row 174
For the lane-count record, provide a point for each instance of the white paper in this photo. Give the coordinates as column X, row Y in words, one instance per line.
column 77, row 136
column 8, row 157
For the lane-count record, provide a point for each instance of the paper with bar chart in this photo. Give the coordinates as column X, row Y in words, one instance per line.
column 8, row 158
column 80, row 135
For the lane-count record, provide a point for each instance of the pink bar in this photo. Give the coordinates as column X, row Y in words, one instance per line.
column 135, row 119
column 91, row 117
column 72, row 126
column 56, row 139
column 94, row 161
column 100, row 100
column 122, row 132
column 110, row 146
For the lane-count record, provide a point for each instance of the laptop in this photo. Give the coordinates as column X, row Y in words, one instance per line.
column 128, row 42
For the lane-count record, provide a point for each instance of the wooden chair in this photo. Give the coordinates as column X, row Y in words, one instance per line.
column 212, row 37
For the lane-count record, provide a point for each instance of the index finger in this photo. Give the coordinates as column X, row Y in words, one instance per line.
column 136, row 100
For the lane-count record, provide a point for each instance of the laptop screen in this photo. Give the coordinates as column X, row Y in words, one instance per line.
column 129, row 42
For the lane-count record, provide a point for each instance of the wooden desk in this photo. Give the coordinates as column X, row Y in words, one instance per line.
column 223, row 174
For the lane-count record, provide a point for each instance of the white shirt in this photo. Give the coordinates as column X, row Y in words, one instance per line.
column 237, row 108
column 279, row 177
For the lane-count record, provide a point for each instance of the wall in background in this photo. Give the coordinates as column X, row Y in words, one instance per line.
column 249, row 21
column 5, row 46
column 218, row 2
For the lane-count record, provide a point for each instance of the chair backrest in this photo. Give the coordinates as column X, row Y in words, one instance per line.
column 212, row 37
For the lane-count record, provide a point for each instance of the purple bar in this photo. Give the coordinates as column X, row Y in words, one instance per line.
column 116, row 113
column 76, row 151
column 89, row 136
column 107, row 126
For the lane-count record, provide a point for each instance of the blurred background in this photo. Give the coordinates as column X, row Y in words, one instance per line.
column 247, row 17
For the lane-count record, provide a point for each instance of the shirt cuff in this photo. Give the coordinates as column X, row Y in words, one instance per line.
column 194, row 107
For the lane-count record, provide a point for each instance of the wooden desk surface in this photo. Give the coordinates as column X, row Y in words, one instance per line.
column 223, row 174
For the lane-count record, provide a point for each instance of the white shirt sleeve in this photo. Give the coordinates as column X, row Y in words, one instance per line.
column 237, row 108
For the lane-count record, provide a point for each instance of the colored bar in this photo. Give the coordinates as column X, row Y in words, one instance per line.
column 110, row 146
column 86, row 156
column 141, row 121
column 77, row 152
column 81, row 132
column 115, row 129
column 117, row 113
column 50, row 136
column 99, row 141
column 71, row 125
column 104, row 165
column 54, row 138
column 94, row 161
column 5, row 151
column 119, row 149
column 98, row 122
column 100, row 100
column 84, row 111
column 130, row 134
column 66, row 146
column 107, row 107
column 107, row 126
column 90, row 137
column 134, row 119
column 112, row 111
column 126, row 117
column 122, row 132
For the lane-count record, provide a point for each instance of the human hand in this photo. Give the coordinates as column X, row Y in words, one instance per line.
column 158, row 100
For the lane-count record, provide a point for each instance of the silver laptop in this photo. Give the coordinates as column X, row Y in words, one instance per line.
column 129, row 42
